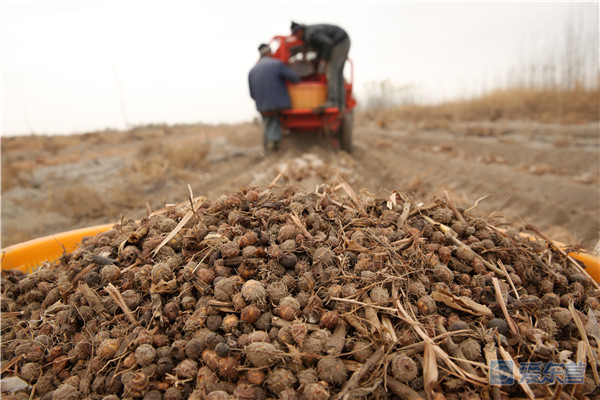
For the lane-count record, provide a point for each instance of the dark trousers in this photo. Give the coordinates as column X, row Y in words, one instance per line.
column 271, row 128
column 336, row 92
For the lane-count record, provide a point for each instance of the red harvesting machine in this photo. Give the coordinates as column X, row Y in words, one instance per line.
column 305, row 114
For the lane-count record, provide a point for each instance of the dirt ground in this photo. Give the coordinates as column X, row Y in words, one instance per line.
column 524, row 172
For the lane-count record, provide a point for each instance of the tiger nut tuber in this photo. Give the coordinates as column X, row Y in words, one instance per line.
column 288, row 260
column 137, row 385
column 329, row 320
column 404, row 368
column 250, row 314
column 108, row 348
column 379, row 295
column 186, row 369
column 332, row 370
column 442, row 273
column 218, row 395
column 426, row 305
column 254, row 291
column 255, row 376
column 229, row 323
column 315, row 391
column 261, row 354
column 145, row 354
column 65, row 392
column 280, row 379
column 471, row 348
column 228, row 368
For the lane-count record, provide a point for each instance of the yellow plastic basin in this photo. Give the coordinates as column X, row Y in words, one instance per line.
column 592, row 264
column 27, row 255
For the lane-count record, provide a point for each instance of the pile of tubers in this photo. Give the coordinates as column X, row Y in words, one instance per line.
column 273, row 293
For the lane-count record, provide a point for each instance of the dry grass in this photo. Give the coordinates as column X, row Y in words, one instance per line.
column 10, row 175
column 563, row 142
column 147, row 170
column 157, row 163
column 79, row 203
column 248, row 134
column 53, row 145
column 190, row 157
column 15, row 172
column 157, row 166
column 544, row 105
column 156, row 156
column 484, row 130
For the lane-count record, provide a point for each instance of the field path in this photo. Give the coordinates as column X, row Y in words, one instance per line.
column 546, row 175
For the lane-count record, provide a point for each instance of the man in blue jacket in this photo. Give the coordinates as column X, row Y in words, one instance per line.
column 332, row 44
column 268, row 89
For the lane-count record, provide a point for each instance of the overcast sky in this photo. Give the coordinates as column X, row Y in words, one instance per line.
column 79, row 66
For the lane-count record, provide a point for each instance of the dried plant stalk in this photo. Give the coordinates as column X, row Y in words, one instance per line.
column 401, row 390
column 447, row 229
column 430, row 370
column 452, row 206
column 352, row 383
column 500, row 300
column 372, row 318
column 490, row 355
column 356, row 324
column 507, row 357
column 179, row 226
column 455, row 351
column 585, row 339
column 335, row 344
column 455, row 369
column 116, row 295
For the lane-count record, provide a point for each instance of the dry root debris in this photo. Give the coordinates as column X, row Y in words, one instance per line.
column 276, row 293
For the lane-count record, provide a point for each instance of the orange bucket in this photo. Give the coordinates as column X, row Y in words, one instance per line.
column 307, row 94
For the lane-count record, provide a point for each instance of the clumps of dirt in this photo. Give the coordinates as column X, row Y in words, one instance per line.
column 308, row 170
column 280, row 293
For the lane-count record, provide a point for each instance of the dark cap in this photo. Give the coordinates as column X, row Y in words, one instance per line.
column 264, row 49
column 296, row 27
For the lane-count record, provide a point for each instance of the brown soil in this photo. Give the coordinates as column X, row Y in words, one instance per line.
column 543, row 174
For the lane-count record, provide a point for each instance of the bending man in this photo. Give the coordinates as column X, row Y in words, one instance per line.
column 332, row 44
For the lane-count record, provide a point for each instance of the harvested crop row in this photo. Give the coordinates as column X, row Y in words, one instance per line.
column 275, row 293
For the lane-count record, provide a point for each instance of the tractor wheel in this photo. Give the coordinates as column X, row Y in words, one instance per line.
column 345, row 132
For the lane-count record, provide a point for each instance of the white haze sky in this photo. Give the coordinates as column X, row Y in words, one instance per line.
column 79, row 66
